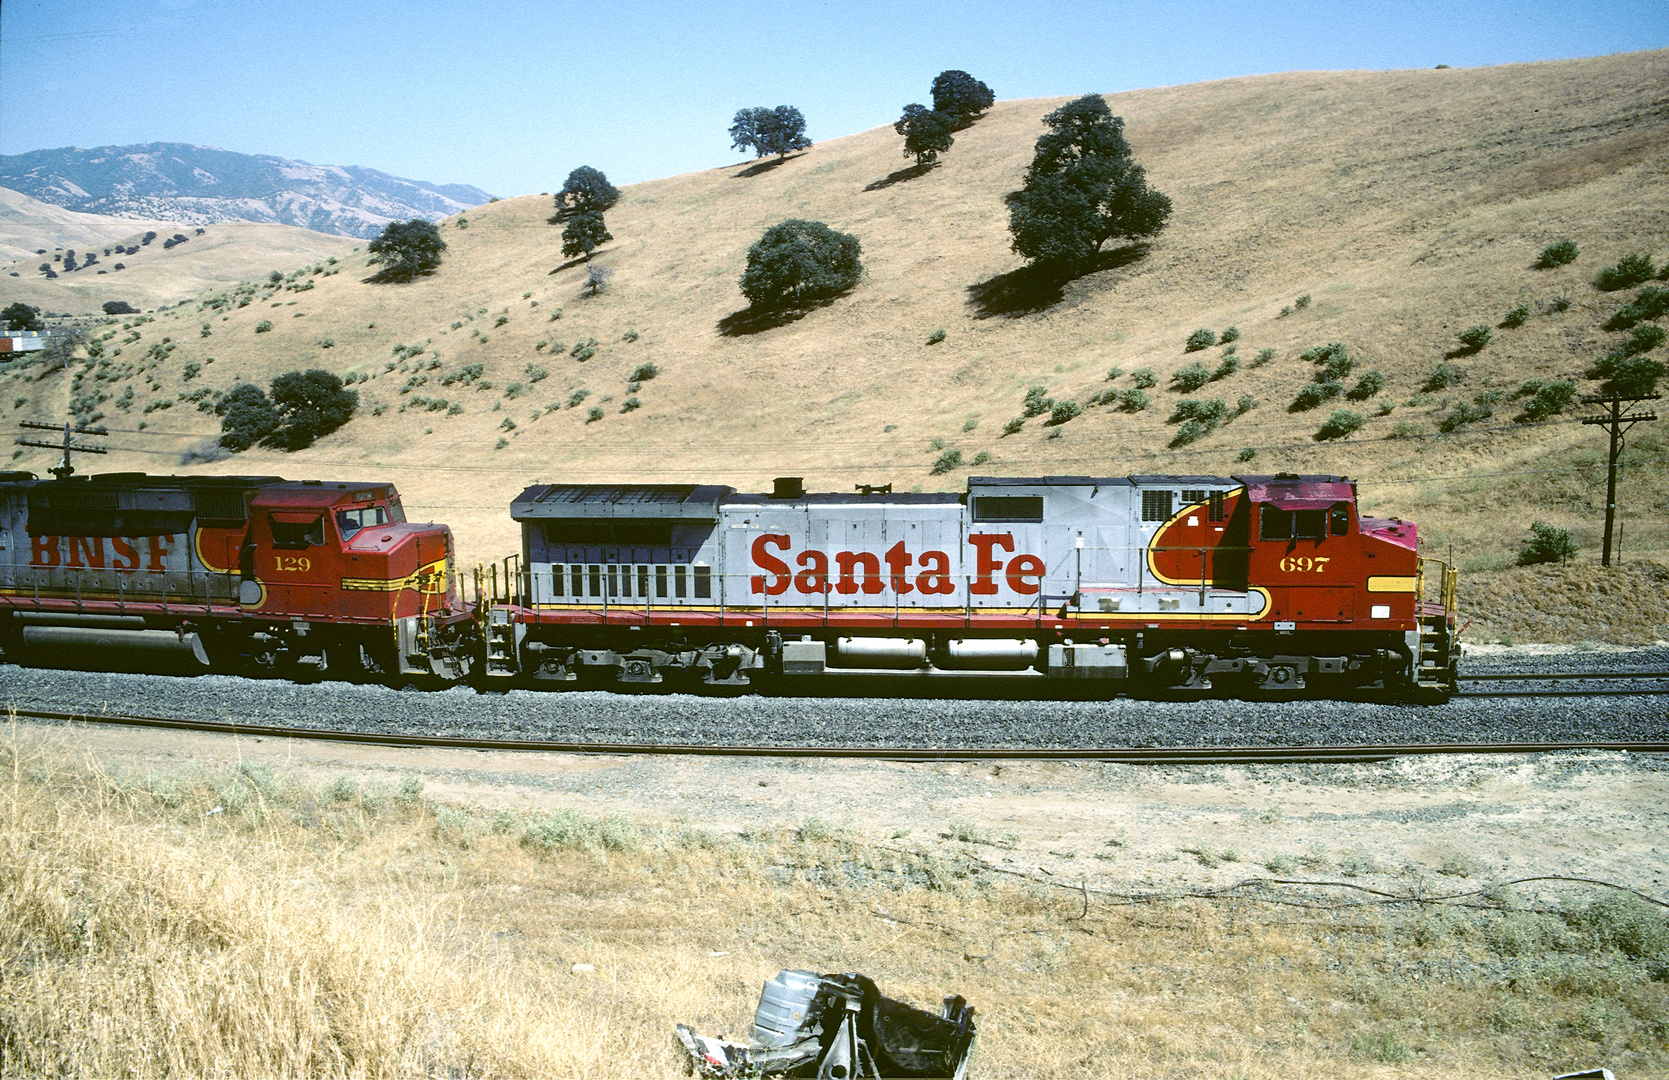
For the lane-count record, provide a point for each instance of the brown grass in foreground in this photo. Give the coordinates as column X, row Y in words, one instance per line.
column 237, row 923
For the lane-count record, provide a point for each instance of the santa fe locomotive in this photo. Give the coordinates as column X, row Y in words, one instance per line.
column 1089, row 585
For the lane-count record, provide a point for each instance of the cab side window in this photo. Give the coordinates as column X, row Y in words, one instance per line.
column 296, row 535
column 1277, row 524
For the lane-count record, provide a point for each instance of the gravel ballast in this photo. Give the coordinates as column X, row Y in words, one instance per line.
column 958, row 723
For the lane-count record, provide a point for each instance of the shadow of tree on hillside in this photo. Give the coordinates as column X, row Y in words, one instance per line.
column 1041, row 286
column 752, row 320
column 569, row 265
column 395, row 275
column 765, row 166
column 909, row 172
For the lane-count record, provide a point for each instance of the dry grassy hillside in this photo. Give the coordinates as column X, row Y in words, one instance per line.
column 215, row 258
column 1409, row 205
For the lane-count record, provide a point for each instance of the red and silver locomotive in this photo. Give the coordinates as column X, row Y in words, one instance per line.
column 1141, row 583
column 242, row 573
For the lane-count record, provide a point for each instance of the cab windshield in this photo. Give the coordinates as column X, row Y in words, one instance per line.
column 350, row 522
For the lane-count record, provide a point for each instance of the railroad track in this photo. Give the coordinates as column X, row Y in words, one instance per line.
column 1569, row 684
column 1182, row 755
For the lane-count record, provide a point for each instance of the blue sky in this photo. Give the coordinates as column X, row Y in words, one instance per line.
column 509, row 95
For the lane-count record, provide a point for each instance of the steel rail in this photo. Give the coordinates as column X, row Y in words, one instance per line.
column 1158, row 755
column 1620, row 676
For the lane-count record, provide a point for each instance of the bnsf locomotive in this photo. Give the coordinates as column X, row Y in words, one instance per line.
column 240, row 573
column 1100, row 584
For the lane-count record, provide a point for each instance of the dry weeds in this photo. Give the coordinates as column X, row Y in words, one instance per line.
column 238, row 923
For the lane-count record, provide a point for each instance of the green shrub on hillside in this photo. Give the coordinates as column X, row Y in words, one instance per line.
column 1557, row 253
column 1370, row 383
column 585, row 350
column 1628, row 271
column 1229, row 366
column 1062, row 412
column 1209, row 413
column 1516, row 316
column 1037, row 401
column 1474, row 338
column 1627, row 375
column 1343, row 422
column 1191, row 378
column 1649, row 303
column 1133, row 400
column 1191, row 431
column 1263, row 357
column 263, row 326
column 1462, row 414
column 945, row 462
column 1315, row 394
column 1545, row 399
column 1144, row 378
column 1546, row 544
column 1245, row 405
column 1441, row 377
column 1013, row 426
column 1333, row 358
column 1199, row 339
column 1231, row 334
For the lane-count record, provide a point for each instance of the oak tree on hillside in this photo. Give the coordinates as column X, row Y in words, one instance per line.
column 310, row 404
column 927, row 133
column 406, row 249
column 247, row 416
column 21, row 316
column 586, row 190
column 779, row 131
column 1082, row 189
column 960, row 95
column 798, row 262
column 584, row 233
column 304, row 406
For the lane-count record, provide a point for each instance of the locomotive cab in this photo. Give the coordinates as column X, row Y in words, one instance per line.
column 346, row 553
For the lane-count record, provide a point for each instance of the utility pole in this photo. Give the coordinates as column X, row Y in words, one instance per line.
column 1618, row 422
column 63, row 470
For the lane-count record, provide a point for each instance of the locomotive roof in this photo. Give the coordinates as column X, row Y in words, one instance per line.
column 619, row 501
column 315, row 493
column 1299, row 492
column 849, row 498
column 135, row 480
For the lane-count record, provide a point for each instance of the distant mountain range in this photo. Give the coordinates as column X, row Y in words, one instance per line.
column 202, row 185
